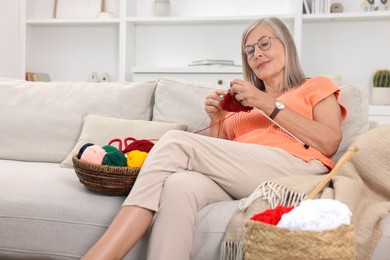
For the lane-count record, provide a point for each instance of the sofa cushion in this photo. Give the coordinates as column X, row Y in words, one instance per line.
column 183, row 102
column 41, row 121
column 355, row 99
column 46, row 213
column 100, row 130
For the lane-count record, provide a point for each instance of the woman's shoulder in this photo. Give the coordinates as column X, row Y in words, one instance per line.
column 319, row 83
column 319, row 80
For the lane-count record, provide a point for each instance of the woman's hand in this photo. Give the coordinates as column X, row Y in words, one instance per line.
column 249, row 95
column 215, row 112
column 213, row 107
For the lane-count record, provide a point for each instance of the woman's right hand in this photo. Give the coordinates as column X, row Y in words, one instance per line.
column 213, row 107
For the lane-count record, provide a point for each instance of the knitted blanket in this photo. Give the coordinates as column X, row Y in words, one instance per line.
column 362, row 184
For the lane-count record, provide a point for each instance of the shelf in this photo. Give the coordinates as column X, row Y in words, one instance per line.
column 366, row 16
column 199, row 20
column 81, row 21
column 190, row 69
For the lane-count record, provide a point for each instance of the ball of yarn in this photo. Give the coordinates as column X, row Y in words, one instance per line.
column 114, row 157
column 140, row 145
column 136, row 158
column 93, row 154
column 317, row 215
column 82, row 149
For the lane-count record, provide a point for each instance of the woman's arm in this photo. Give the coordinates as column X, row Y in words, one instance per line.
column 322, row 133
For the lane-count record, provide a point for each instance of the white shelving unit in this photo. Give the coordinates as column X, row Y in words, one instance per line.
column 135, row 45
column 353, row 44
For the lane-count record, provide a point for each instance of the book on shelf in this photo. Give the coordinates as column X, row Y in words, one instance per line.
column 212, row 62
column 32, row 76
column 306, row 7
column 320, row 6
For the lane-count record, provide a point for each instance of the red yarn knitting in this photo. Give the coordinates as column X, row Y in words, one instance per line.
column 271, row 216
column 230, row 104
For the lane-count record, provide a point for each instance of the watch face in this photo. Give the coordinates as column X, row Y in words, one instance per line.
column 280, row 105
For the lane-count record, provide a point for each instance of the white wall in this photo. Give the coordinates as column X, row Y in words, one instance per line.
column 9, row 34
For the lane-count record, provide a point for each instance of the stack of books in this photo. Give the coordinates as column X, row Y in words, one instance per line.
column 32, row 76
column 211, row 62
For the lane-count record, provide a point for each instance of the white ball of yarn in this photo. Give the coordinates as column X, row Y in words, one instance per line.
column 317, row 215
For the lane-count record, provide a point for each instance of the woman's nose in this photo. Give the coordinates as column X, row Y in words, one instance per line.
column 258, row 51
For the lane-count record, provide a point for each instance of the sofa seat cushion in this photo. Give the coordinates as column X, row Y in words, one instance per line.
column 45, row 211
column 41, row 121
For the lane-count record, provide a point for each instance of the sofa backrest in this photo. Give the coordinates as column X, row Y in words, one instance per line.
column 41, row 121
column 181, row 101
column 355, row 99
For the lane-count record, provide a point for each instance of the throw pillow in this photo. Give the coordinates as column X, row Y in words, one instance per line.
column 100, row 130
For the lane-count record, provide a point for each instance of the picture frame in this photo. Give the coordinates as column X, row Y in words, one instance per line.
column 65, row 9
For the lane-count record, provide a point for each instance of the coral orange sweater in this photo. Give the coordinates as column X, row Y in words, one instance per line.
column 252, row 127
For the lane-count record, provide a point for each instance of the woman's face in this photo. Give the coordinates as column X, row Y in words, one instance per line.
column 267, row 64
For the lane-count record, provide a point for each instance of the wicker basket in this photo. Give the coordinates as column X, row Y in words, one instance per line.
column 265, row 241
column 104, row 179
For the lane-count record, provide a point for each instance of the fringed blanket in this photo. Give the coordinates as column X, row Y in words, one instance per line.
column 363, row 184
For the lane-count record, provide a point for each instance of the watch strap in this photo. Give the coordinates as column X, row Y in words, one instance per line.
column 274, row 113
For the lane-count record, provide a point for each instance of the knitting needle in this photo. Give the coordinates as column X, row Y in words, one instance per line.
column 284, row 129
column 204, row 119
column 329, row 176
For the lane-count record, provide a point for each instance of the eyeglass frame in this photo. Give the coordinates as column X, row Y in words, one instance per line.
column 258, row 44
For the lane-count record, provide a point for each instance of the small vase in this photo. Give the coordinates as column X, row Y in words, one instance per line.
column 380, row 96
column 162, row 8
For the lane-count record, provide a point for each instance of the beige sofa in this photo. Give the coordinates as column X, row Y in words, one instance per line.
column 46, row 213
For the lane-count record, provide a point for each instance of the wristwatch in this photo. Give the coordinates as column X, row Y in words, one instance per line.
column 279, row 105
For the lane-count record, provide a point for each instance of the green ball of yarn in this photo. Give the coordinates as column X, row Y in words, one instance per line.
column 114, row 157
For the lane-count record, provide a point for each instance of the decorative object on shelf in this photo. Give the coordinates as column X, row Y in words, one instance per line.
column 380, row 94
column 162, row 8
column 103, row 14
column 105, row 77
column 336, row 8
column 376, row 5
column 93, row 77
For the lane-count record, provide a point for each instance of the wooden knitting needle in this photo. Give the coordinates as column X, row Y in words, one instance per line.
column 329, row 176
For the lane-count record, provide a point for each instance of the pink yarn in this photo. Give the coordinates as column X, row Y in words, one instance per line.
column 93, row 154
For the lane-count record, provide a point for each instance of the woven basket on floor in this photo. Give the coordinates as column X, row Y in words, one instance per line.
column 104, row 179
column 265, row 241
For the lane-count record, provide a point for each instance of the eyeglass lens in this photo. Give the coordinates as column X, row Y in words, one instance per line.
column 264, row 44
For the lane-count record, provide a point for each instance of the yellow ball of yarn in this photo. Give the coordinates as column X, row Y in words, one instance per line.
column 136, row 158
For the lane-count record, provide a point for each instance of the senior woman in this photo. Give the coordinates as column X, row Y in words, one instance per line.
column 185, row 171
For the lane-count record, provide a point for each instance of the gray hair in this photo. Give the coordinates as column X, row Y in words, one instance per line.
column 293, row 73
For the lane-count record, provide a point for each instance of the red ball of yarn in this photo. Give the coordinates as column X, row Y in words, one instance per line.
column 140, row 145
column 271, row 216
column 230, row 104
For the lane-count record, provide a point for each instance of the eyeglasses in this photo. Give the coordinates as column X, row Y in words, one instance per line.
column 264, row 44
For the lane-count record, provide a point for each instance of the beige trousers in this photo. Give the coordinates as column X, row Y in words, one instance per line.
column 184, row 172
